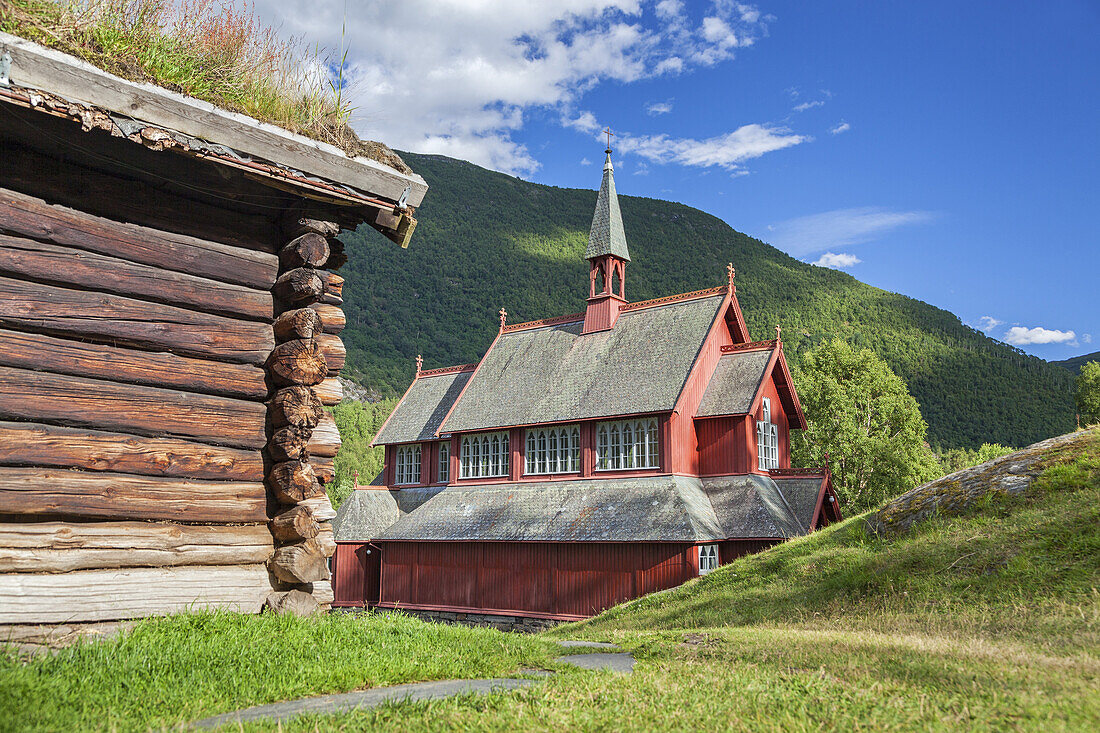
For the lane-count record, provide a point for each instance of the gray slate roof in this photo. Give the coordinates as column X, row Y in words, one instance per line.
column 554, row 374
column 368, row 512
column 802, row 493
column 607, row 235
column 422, row 409
column 735, row 383
column 647, row 509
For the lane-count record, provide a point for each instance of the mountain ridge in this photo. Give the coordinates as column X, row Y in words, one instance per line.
column 486, row 240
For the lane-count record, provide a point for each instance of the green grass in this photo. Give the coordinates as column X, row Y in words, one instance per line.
column 217, row 52
column 989, row 620
column 173, row 670
column 984, row 621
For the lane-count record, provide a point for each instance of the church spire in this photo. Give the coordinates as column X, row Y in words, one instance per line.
column 607, row 255
column 607, row 236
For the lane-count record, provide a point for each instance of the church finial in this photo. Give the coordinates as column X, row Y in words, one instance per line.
column 503, row 319
column 777, row 330
column 419, row 364
column 730, row 272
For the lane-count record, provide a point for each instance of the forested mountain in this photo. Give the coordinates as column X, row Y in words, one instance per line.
column 1075, row 364
column 487, row 240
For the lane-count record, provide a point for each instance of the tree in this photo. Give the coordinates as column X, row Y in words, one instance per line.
column 862, row 417
column 1088, row 392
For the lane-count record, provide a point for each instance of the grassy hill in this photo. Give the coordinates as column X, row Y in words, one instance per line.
column 988, row 619
column 1075, row 364
column 487, row 240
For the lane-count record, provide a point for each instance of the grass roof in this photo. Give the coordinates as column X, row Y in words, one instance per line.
column 206, row 49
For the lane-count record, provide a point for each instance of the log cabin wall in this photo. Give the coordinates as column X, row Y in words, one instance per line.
column 167, row 339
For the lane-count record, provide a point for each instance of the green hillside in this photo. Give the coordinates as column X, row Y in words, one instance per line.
column 1075, row 364
column 487, row 240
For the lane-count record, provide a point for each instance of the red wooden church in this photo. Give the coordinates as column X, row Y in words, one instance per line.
column 585, row 460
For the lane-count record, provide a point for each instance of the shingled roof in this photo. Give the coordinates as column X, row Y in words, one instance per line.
column 646, row 509
column 735, row 382
column 607, row 236
column 418, row 416
column 554, row 374
column 802, row 493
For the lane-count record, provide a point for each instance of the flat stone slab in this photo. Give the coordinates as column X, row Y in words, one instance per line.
column 365, row 699
column 616, row 662
column 590, row 645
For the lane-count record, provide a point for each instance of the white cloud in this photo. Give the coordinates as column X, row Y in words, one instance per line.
column 837, row 261
column 842, row 127
column 459, row 77
column 659, row 108
column 584, row 122
column 1022, row 336
column 725, row 151
column 988, row 323
column 586, row 161
column 1087, row 338
column 808, row 105
column 833, row 230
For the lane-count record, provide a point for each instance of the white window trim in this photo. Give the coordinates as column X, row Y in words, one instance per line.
column 625, row 445
column 767, row 438
column 485, row 455
column 443, row 468
column 708, row 558
column 553, row 450
column 406, row 469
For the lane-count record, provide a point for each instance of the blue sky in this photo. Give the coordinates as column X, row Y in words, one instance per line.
column 944, row 150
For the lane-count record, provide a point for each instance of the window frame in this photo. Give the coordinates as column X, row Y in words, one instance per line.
column 712, row 557
column 767, row 438
column 484, row 455
column 614, row 452
column 407, row 471
column 443, row 463
column 553, row 450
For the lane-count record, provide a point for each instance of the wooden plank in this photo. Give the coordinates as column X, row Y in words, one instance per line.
column 31, row 306
column 325, row 441
column 330, row 391
column 68, row 267
column 154, row 369
column 61, row 547
column 50, row 446
column 32, row 217
column 93, row 403
column 59, row 176
column 69, row 77
column 59, row 493
column 335, row 353
column 108, row 595
column 332, row 317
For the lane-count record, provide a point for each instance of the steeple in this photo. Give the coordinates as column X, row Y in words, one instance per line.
column 607, row 255
column 607, row 236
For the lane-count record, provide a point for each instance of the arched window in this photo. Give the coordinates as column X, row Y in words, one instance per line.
column 553, row 450
column 767, row 438
column 484, row 455
column 627, row 444
column 444, row 473
column 407, row 464
column 708, row 558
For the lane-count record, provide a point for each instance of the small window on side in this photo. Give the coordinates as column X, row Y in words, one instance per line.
column 708, row 558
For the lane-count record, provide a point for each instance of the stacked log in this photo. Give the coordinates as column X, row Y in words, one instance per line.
column 302, row 368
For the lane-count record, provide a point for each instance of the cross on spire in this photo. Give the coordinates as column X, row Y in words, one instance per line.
column 607, row 131
column 503, row 318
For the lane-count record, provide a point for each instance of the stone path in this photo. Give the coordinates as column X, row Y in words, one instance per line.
column 614, row 660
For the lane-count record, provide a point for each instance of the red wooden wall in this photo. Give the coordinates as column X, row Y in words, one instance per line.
column 355, row 571
column 558, row 579
column 724, row 447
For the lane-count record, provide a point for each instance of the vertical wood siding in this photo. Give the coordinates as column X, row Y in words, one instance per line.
column 578, row 579
column 722, row 446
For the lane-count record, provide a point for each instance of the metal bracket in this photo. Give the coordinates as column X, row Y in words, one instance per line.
column 5, row 69
column 401, row 202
